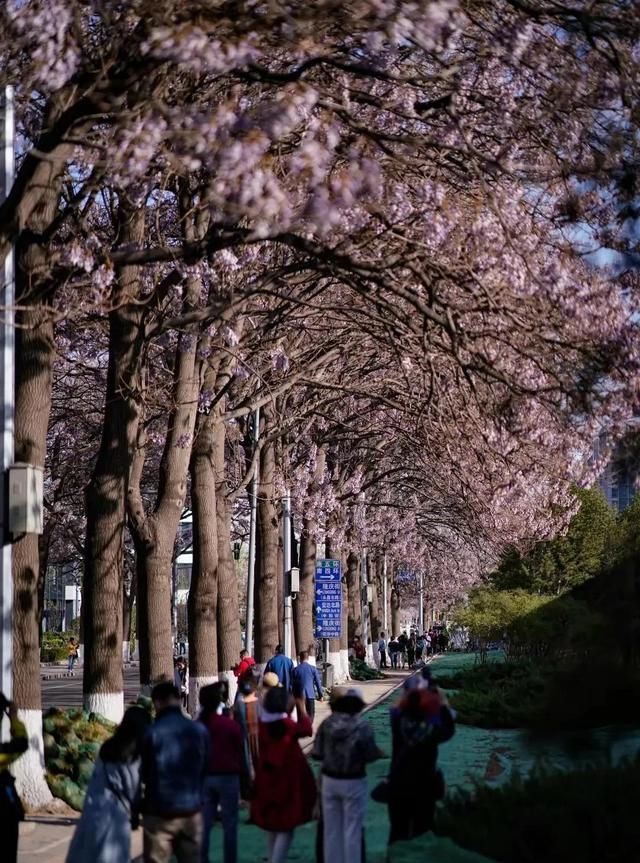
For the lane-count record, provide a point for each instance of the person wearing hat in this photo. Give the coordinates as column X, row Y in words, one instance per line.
column 420, row 722
column 345, row 744
column 284, row 792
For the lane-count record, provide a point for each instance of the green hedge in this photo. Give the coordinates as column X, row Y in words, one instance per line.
column 53, row 654
column 590, row 815
column 544, row 696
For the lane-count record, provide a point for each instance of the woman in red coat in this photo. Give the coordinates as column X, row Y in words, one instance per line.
column 285, row 789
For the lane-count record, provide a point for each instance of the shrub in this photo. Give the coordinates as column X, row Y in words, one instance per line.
column 359, row 670
column 537, row 695
column 53, row 654
column 588, row 815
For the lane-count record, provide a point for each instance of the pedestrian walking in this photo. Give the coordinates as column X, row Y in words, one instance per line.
column 411, row 650
column 181, row 679
column 72, row 654
column 419, row 723
column 246, row 711
column 394, row 651
column 282, row 666
column 175, row 760
column 402, row 649
column 382, row 650
column 420, row 646
column 285, row 789
column 11, row 811
column 222, row 785
column 307, row 684
column 244, row 666
column 345, row 744
column 112, row 803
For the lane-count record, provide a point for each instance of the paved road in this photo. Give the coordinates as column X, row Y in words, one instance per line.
column 67, row 691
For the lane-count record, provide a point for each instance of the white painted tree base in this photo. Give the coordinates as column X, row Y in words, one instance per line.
column 29, row 768
column 232, row 680
column 195, row 685
column 107, row 704
column 375, row 653
column 371, row 655
column 344, row 656
column 340, row 661
column 126, row 651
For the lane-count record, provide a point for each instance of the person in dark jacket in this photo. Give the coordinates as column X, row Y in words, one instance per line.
column 282, row 666
column 419, row 723
column 345, row 744
column 222, row 786
column 175, row 761
column 307, row 684
column 11, row 811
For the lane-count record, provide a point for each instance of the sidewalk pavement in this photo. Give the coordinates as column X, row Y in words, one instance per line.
column 46, row 838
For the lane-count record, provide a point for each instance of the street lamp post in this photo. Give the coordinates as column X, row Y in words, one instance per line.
column 7, row 331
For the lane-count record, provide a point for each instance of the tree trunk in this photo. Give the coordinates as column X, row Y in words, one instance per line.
column 35, row 352
column 395, row 611
column 266, row 623
column 344, row 629
column 376, row 602
column 354, row 598
column 203, row 593
column 228, row 609
column 106, row 494
column 303, row 605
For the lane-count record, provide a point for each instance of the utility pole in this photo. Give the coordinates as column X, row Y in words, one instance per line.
column 286, row 562
column 385, row 599
column 253, row 513
column 7, row 330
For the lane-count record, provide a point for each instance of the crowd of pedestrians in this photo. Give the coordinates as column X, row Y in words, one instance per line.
column 408, row 651
column 179, row 777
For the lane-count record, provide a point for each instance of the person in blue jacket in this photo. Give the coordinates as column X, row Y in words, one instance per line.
column 282, row 666
column 307, row 684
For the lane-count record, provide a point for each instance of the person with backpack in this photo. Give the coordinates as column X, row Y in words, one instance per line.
column 345, row 744
column 419, row 724
column 382, row 650
column 112, row 803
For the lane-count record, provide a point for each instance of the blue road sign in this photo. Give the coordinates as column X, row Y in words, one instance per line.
column 328, row 599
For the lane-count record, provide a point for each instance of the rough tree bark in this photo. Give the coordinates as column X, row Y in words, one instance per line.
column 203, row 592
column 155, row 532
column 35, row 355
column 376, row 602
column 303, row 605
column 106, row 491
column 266, row 623
column 354, row 598
column 228, row 608
column 35, row 352
column 395, row 610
